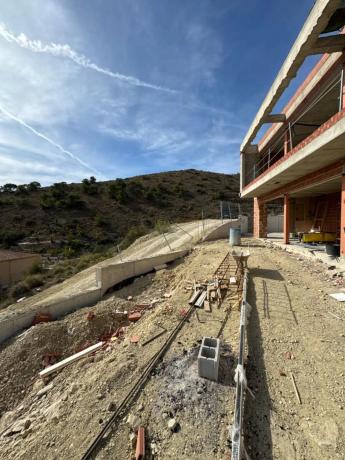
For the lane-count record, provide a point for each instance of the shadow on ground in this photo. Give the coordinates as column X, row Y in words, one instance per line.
column 266, row 273
column 226, row 366
column 257, row 426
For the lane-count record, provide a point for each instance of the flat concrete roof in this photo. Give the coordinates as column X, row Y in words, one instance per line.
column 315, row 24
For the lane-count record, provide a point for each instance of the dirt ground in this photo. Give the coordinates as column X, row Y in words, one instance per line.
column 291, row 329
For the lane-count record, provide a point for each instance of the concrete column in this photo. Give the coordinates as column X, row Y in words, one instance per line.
column 259, row 219
column 242, row 172
column 286, row 219
column 342, row 217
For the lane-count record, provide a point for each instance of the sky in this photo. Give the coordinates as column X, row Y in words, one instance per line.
column 118, row 88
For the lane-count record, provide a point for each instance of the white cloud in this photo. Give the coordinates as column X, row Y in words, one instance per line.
column 65, row 51
column 50, row 141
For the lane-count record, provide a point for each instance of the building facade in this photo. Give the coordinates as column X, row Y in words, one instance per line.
column 301, row 157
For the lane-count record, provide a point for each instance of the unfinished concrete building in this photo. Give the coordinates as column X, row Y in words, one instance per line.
column 301, row 157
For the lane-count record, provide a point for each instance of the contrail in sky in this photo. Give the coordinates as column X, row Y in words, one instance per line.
column 50, row 141
column 56, row 49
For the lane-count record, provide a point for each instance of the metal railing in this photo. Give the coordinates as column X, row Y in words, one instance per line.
column 276, row 150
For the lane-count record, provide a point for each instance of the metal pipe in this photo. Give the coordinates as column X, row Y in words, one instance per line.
column 290, row 135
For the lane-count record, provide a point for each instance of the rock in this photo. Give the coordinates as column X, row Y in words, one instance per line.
column 130, row 297
column 172, row 424
column 44, row 390
column 133, row 421
column 111, row 406
column 100, row 396
column 19, row 426
column 153, row 447
column 132, row 440
column 53, row 411
column 73, row 388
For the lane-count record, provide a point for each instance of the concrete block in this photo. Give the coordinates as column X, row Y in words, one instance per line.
column 208, row 358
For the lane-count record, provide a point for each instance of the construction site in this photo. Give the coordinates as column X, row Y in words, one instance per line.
column 215, row 338
column 205, row 351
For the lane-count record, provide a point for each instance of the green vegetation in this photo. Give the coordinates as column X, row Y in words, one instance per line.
column 93, row 216
column 132, row 234
column 162, row 226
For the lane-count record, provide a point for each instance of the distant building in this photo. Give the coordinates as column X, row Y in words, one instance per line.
column 301, row 157
column 13, row 265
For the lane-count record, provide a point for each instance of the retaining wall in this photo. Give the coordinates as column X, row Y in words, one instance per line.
column 222, row 231
column 111, row 275
column 12, row 322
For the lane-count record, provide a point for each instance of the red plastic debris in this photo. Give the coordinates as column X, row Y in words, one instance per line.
column 134, row 316
column 140, row 449
column 134, row 339
column 42, row 318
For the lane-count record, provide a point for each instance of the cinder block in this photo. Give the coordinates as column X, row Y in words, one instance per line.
column 208, row 358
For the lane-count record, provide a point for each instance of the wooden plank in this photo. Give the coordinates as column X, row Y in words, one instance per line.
column 207, row 306
column 295, row 388
column 71, row 359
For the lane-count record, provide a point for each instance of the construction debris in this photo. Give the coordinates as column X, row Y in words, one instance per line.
column 133, row 317
column 295, row 388
column 58, row 366
column 340, row 296
column 140, row 449
column 155, row 336
column 134, row 339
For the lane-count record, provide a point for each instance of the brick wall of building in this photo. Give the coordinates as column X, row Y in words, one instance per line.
column 259, row 219
column 306, row 209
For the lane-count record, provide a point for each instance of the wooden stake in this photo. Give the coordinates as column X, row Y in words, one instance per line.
column 295, row 388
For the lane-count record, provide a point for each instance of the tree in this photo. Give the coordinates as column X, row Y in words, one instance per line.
column 22, row 189
column 9, row 188
column 33, row 186
column 59, row 189
column 89, row 186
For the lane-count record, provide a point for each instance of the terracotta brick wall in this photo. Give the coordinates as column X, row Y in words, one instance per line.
column 259, row 219
column 306, row 209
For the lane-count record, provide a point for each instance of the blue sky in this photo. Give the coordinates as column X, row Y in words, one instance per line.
column 117, row 88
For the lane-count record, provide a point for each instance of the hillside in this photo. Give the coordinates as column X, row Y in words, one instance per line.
column 68, row 219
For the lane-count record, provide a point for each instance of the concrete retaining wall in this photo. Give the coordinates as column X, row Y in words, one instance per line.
column 113, row 274
column 222, row 232
column 15, row 321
